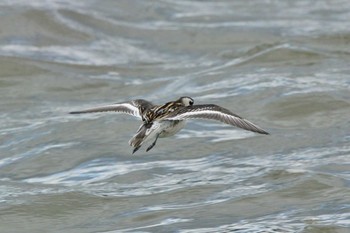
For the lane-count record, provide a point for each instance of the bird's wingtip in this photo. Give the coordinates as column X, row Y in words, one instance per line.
column 79, row 112
column 264, row 132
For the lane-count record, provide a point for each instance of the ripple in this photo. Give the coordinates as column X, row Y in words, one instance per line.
column 258, row 61
column 93, row 55
column 165, row 222
column 33, row 152
column 99, row 170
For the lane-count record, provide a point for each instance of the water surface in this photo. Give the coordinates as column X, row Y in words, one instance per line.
column 284, row 65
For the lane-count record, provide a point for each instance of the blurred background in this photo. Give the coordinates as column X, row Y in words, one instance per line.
column 283, row 65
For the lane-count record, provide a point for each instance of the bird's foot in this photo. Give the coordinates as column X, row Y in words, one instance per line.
column 136, row 149
column 153, row 144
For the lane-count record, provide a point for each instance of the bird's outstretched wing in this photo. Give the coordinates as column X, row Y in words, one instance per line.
column 214, row 112
column 132, row 108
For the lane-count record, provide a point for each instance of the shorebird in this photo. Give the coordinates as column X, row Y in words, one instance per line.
column 166, row 120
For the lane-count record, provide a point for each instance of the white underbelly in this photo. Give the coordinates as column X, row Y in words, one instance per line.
column 171, row 127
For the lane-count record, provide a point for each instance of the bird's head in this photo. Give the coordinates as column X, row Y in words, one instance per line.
column 186, row 101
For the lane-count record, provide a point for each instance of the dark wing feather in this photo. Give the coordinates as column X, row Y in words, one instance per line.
column 214, row 112
column 131, row 108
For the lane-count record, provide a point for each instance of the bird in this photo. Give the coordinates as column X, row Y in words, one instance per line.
column 166, row 120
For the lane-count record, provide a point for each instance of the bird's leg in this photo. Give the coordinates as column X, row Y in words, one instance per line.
column 153, row 144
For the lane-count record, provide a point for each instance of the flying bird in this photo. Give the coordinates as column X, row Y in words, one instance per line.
column 165, row 120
